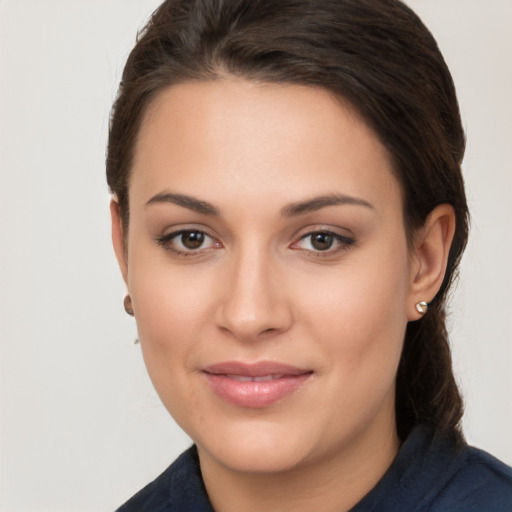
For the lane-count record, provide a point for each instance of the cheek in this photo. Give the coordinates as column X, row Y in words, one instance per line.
column 166, row 296
column 363, row 344
column 171, row 309
column 367, row 294
column 360, row 320
column 169, row 320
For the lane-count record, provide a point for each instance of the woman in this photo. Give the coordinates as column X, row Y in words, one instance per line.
column 288, row 216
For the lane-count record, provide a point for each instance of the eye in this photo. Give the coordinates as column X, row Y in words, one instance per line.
column 191, row 239
column 187, row 241
column 323, row 241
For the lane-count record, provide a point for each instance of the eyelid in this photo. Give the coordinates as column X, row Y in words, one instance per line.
column 342, row 242
column 320, row 227
column 166, row 241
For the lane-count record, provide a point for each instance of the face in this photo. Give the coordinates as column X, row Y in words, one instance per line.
column 269, row 271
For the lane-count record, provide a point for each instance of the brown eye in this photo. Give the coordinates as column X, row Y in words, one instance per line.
column 327, row 242
column 192, row 239
column 322, row 241
column 188, row 242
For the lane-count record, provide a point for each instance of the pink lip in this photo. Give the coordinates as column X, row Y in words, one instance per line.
column 255, row 385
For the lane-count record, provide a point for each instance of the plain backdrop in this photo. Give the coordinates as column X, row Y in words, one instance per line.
column 81, row 427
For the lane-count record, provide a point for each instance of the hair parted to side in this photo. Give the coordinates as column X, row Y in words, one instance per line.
column 375, row 54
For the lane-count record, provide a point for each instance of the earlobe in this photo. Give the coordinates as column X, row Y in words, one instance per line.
column 118, row 238
column 431, row 248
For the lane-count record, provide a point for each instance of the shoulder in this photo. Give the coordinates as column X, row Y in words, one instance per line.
column 481, row 483
column 179, row 488
column 434, row 472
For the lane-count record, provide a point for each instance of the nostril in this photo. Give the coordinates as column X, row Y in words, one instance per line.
column 251, row 308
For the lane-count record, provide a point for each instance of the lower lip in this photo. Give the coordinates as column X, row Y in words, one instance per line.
column 255, row 394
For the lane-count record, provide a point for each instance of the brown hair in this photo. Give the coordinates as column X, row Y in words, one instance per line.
column 376, row 54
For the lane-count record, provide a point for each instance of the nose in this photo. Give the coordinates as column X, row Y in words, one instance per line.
column 253, row 301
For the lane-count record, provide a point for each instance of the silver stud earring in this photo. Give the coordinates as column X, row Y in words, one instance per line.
column 136, row 341
column 422, row 307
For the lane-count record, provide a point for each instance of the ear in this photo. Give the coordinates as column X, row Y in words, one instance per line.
column 118, row 238
column 430, row 256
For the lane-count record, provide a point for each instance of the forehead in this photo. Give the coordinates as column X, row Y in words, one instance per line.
column 240, row 138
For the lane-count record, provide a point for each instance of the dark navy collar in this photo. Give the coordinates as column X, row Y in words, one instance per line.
column 431, row 472
column 425, row 462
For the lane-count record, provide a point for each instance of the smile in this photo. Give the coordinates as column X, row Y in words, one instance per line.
column 244, row 378
column 255, row 385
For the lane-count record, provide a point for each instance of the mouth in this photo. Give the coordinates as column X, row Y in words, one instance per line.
column 255, row 385
column 245, row 378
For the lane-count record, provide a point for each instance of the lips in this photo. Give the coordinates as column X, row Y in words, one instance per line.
column 255, row 385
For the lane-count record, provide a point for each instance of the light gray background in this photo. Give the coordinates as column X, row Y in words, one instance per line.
column 81, row 427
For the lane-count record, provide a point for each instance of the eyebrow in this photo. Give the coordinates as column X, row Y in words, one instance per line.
column 317, row 203
column 291, row 210
column 189, row 202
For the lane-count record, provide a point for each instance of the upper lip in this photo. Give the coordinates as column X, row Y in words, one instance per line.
column 259, row 369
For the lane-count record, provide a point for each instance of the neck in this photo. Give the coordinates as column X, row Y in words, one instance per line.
column 335, row 482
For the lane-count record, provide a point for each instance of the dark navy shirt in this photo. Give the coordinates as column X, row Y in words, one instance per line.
column 430, row 473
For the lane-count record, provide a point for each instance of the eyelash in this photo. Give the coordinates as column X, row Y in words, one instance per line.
column 343, row 243
column 340, row 243
column 166, row 242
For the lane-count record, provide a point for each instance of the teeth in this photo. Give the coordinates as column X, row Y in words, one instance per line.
column 245, row 378
column 240, row 378
column 267, row 377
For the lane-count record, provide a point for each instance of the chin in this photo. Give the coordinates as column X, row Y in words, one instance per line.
column 257, row 459
column 257, row 448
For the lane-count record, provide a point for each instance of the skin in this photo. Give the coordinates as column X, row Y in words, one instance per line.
column 258, row 289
